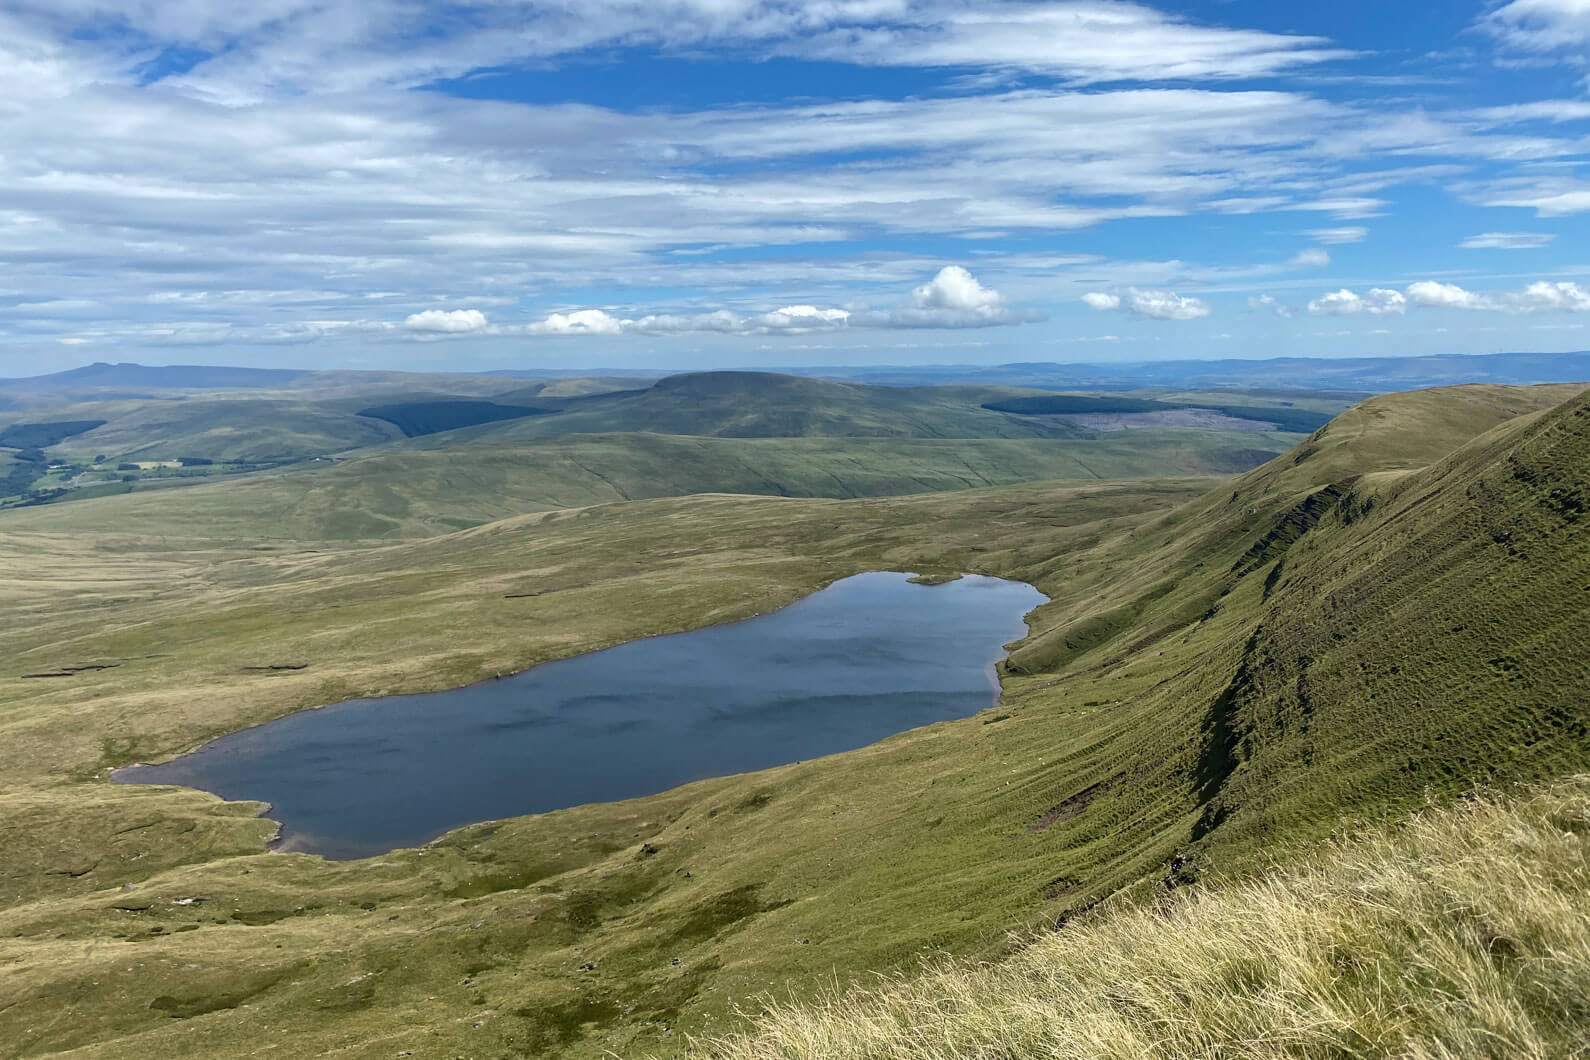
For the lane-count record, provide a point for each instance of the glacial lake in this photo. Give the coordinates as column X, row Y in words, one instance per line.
column 865, row 658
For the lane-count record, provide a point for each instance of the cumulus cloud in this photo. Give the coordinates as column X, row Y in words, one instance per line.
column 448, row 321
column 1345, row 234
column 1439, row 295
column 579, row 322
column 954, row 298
column 1378, row 301
column 1540, row 297
column 1508, row 241
column 1165, row 305
column 1312, row 258
column 1157, row 305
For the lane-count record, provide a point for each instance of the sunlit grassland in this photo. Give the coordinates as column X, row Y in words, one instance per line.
column 1389, row 613
column 426, row 492
column 1464, row 932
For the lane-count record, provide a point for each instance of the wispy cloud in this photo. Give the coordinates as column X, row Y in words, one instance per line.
column 279, row 48
column 1508, row 241
column 1541, row 26
column 1336, row 236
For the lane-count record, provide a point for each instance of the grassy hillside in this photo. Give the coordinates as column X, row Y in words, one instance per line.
column 1352, row 628
column 231, row 428
column 768, row 405
column 1464, row 932
column 420, row 493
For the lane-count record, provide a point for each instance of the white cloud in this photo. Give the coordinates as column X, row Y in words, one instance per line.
column 281, row 48
column 1508, row 241
column 1377, row 302
column 452, row 321
column 955, row 288
column 1440, row 295
column 1541, row 26
column 579, row 322
column 1157, row 305
column 1090, row 40
column 1334, row 236
column 954, row 298
column 169, row 200
column 1313, row 258
column 1269, row 302
column 802, row 318
column 1540, row 297
column 1165, row 305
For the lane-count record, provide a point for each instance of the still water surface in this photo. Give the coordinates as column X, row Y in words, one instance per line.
column 867, row 657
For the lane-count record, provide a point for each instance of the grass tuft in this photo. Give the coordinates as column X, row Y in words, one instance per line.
column 1463, row 932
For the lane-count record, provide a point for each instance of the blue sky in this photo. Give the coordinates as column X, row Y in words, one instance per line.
column 704, row 183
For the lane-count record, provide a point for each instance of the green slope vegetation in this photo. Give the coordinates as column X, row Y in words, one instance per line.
column 768, row 405
column 1284, row 417
column 239, row 428
column 421, row 493
column 433, row 417
column 1389, row 612
column 1463, row 933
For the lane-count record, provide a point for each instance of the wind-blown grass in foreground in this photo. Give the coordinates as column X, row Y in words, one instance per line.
column 1462, row 933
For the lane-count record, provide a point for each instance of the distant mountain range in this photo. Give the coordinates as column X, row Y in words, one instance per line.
column 1357, row 374
column 160, row 377
column 1353, row 376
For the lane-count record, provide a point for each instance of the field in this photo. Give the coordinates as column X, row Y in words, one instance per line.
column 1386, row 614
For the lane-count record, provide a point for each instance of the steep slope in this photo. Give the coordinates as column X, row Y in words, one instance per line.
column 1458, row 933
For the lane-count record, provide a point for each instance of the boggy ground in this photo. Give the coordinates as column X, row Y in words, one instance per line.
column 1221, row 671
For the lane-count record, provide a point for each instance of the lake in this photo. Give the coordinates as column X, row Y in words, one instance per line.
column 865, row 658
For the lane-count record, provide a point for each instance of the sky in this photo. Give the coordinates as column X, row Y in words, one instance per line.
column 495, row 184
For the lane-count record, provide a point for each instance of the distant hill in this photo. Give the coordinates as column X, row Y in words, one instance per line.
column 1351, row 376
column 773, row 405
column 1347, row 377
column 140, row 377
column 432, row 417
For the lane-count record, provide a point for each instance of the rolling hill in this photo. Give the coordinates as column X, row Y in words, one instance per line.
column 425, row 492
column 1389, row 613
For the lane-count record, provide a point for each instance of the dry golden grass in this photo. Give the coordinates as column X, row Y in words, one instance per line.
column 1464, row 932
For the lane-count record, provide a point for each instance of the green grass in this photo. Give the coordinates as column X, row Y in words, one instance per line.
column 1388, row 614
column 768, row 405
column 1464, row 932
column 425, row 492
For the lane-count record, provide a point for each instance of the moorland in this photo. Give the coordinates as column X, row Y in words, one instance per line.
column 1255, row 638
